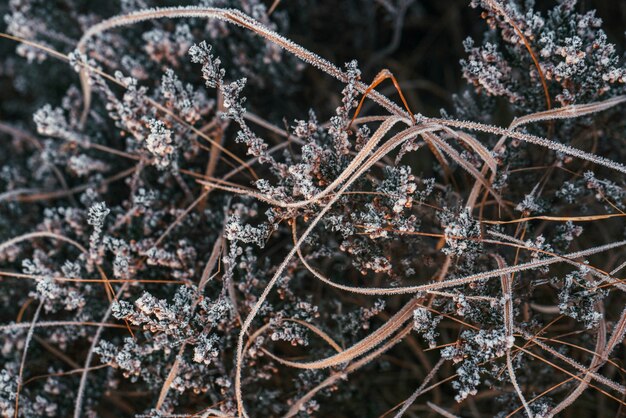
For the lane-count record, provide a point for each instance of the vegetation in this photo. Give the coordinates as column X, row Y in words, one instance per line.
column 201, row 217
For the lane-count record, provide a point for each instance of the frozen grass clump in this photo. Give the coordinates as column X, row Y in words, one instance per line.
column 201, row 217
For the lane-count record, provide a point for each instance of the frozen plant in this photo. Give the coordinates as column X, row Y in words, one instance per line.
column 201, row 217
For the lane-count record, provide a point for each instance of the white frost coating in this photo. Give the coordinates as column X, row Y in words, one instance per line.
column 553, row 145
column 235, row 17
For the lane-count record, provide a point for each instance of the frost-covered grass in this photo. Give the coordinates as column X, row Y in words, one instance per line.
column 190, row 226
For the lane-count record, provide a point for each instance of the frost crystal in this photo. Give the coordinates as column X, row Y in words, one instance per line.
column 96, row 215
column 212, row 72
column 461, row 232
column 475, row 349
column 160, row 144
column 425, row 324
